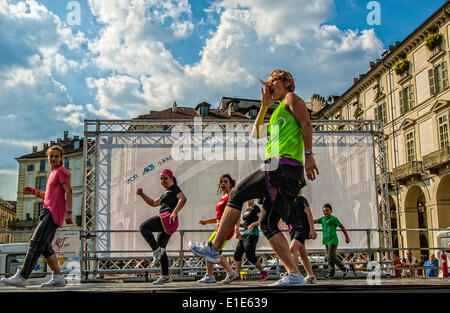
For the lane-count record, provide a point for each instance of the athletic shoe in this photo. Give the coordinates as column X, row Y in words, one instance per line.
column 310, row 279
column 230, row 277
column 290, row 280
column 162, row 280
column 56, row 281
column 207, row 280
column 263, row 275
column 204, row 251
column 157, row 254
column 16, row 280
column 330, row 276
column 345, row 273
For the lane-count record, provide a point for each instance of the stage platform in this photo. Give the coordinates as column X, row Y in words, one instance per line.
column 391, row 285
column 243, row 296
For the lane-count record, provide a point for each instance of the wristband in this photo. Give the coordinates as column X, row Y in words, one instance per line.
column 307, row 152
column 68, row 212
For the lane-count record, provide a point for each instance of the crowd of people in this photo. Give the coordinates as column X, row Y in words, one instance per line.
column 410, row 266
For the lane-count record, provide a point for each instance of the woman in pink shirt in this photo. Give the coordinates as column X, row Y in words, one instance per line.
column 57, row 208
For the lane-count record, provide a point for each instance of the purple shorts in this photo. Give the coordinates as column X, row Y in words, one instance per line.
column 169, row 227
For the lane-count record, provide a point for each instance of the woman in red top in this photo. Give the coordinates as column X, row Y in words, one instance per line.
column 397, row 264
column 225, row 185
column 57, row 208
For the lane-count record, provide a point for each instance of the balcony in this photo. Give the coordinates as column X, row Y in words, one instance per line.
column 410, row 170
column 403, row 77
column 436, row 160
column 436, row 53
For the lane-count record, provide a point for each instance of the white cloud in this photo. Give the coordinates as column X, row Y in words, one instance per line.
column 9, row 172
column 19, row 143
column 36, row 105
column 118, row 94
column 252, row 38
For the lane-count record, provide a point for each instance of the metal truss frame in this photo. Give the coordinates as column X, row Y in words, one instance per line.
column 91, row 263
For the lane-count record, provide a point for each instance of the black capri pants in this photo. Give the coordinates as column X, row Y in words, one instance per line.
column 153, row 224
column 40, row 243
column 284, row 184
column 254, row 187
column 247, row 245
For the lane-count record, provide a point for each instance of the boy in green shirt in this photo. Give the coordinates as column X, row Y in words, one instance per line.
column 330, row 239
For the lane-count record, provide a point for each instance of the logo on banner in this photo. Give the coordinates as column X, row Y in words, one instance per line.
column 61, row 243
column 148, row 169
column 165, row 160
column 133, row 178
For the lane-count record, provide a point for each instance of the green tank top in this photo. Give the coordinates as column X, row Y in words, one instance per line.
column 290, row 137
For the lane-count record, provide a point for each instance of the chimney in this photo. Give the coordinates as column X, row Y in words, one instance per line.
column 52, row 143
column 66, row 135
column 76, row 137
column 58, row 141
column 230, row 109
column 45, row 146
column 174, row 107
column 35, row 148
column 317, row 103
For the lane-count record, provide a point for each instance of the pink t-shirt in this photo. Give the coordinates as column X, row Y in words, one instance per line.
column 55, row 197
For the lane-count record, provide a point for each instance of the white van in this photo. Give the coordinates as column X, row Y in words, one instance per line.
column 12, row 256
column 66, row 245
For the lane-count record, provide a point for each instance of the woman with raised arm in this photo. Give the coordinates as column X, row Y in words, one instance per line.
column 288, row 154
column 166, row 222
column 226, row 183
column 57, row 208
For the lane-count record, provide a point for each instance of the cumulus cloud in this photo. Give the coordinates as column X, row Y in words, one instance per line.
column 127, row 69
column 35, row 106
column 252, row 38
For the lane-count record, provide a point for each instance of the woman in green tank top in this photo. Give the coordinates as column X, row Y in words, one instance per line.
column 291, row 117
column 279, row 185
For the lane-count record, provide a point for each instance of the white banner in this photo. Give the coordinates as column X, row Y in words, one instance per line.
column 130, row 161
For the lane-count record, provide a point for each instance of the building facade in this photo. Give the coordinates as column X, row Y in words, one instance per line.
column 7, row 216
column 408, row 90
column 34, row 171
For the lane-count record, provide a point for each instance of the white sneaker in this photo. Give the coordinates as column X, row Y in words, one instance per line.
column 56, row 281
column 204, row 251
column 162, row 280
column 230, row 277
column 310, row 279
column 207, row 280
column 290, row 280
column 16, row 280
column 157, row 254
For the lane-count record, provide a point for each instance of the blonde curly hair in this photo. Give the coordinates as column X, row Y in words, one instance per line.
column 284, row 75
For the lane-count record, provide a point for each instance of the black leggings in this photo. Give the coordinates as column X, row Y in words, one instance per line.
column 154, row 224
column 254, row 187
column 40, row 243
column 248, row 245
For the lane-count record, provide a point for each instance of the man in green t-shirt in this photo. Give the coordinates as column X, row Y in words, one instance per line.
column 330, row 239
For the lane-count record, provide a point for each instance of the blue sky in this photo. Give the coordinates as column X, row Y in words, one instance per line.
column 125, row 58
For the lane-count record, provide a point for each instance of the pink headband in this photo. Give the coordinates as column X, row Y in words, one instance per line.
column 168, row 173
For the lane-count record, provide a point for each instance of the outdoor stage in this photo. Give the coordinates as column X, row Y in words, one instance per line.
column 359, row 285
column 242, row 296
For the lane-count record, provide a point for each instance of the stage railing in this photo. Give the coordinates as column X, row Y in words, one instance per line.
column 184, row 265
